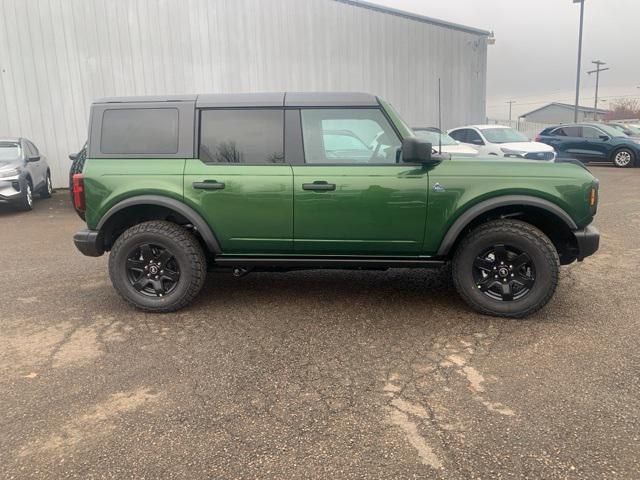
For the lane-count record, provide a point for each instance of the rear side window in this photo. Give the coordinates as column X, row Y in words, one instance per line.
column 572, row 131
column 460, row 135
column 242, row 136
column 139, row 131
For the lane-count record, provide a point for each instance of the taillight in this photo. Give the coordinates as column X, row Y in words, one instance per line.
column 78, row 193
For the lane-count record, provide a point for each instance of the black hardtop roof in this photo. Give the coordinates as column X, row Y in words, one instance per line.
column 265, row 99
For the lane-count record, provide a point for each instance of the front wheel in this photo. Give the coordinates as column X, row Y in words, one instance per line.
column 25, row 203
column 506, row 268
column 157, row 266
column 623, row 158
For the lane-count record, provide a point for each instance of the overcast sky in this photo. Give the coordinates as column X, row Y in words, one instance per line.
column 534, row 58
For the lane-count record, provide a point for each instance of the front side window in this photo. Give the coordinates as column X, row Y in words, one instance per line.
column 460, row 135
column 590, row 132
column 242, row 136
column 348, row 136
column 139, row 131
column 474, row 137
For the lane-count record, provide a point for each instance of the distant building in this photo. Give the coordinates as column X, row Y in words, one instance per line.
column 562, row 113
column 56, row 57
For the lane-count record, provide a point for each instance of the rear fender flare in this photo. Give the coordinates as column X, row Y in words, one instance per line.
column 187, row 212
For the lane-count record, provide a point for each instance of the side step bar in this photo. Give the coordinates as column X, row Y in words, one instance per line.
column 327, row 262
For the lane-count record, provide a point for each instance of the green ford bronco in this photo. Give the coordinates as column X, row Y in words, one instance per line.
column 176, row 186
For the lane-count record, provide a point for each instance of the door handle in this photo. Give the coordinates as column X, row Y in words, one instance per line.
column 208, row 185
column 319, row 186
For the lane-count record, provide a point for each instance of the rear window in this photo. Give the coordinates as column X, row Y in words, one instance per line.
column 139, row 131
column 242, row 136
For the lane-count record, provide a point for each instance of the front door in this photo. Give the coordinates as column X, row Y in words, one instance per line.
column 351, row 194
column 240, row 183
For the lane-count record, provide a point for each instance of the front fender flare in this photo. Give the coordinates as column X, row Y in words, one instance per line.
column 503, row 201
column 187, row 212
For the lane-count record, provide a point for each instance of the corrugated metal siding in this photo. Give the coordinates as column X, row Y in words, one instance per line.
column 56, row 56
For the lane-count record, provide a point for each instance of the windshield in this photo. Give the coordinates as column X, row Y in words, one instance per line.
column 628, row 129
column 609, row 130
column 9, row 151
column 434, row 137
column 503, row 135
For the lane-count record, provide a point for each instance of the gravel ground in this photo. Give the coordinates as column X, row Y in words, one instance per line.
column 327, row 374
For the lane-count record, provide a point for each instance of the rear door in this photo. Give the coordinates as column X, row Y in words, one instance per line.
column 359, row 200
column 241, row 183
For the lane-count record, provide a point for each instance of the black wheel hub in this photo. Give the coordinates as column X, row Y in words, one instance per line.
column 504, row 273
column 152, row 270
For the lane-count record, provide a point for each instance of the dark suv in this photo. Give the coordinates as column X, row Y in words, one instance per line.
column 592, row 142
column 173, row 186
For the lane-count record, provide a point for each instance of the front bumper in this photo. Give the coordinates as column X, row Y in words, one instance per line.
column 588, row 241
column 89, row 243
column 11, row 189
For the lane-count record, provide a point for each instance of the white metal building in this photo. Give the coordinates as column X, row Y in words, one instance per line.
column 556, row 112
column 56, row 56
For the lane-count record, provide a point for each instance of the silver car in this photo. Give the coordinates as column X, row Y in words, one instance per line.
column 23, row 171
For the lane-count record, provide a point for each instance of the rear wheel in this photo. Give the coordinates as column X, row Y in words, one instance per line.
column 47, row 190
column 506, row 268
column 157, row 266
column 623, row 158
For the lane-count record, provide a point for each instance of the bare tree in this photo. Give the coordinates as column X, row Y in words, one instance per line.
column 624, row 108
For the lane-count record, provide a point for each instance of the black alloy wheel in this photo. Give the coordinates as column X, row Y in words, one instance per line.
column 152, row 270
column 504, row 273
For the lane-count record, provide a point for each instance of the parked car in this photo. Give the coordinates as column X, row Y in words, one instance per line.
column 628, row 129
column 592, row 142
column 23, row 171
column 252, row 185
column 502, row 141
column 449, row 145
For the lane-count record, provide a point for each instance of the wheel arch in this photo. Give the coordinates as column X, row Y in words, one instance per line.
column 551, row 219
column 616, row 150
column 138, row 209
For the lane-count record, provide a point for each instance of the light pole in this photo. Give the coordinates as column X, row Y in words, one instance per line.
column 575, row 109
column 510, row 102
column 597, row 71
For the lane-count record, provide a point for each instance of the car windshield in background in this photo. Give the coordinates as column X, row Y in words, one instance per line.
column 503, row 135
column 434, row 138
column 609, row 130
column 9, row 151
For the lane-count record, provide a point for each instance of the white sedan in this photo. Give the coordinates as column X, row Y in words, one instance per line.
column 449, row 145
column 502, row 141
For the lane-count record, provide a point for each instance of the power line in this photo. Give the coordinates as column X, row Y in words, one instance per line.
column 610, row 97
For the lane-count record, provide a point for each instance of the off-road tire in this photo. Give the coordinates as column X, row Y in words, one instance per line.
column 187, row 253
column 47, row 189
column 526, row 238
column 25, row 203
column 623, row 158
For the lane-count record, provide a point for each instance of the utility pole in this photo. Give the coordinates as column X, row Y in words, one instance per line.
column 597, row 71
column 575, row 109
column 510, row 102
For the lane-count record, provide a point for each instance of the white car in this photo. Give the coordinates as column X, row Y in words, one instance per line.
column 502, row 141
column 449, row 145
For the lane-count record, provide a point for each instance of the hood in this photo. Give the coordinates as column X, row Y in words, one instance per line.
column 6, row 164
column 527, row 147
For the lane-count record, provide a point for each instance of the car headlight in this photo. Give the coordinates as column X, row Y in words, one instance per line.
column 14, row 172
column 512, row 153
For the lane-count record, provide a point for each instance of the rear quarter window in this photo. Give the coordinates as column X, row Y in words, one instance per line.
column 139, row 131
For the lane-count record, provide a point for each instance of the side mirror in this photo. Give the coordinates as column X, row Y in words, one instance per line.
column 419, row 151
column 604, row 137
column 33, row 158
column 73, row 157
column 477, row 141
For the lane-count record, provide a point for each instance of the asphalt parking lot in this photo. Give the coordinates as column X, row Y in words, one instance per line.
column 325, row 374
